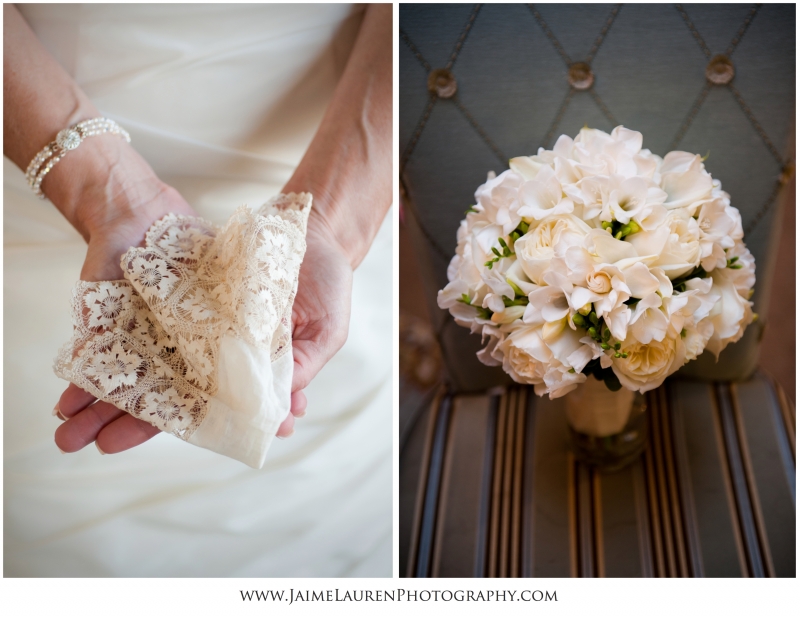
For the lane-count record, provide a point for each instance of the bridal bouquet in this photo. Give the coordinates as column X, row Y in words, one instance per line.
column 599, row 257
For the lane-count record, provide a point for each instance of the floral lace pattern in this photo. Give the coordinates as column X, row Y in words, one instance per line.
column 149, row 344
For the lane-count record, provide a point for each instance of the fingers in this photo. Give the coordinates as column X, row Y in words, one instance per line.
column 299, row 403
column 287, row 427
column 312, row 354
column 83, row 427
column 296, row 410
column 115, row 431
column 124, row 433
column 72, row 401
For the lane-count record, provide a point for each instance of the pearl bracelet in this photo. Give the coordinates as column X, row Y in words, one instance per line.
column 66, row 140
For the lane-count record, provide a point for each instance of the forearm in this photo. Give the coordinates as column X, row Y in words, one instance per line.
column 348, row 166
column 96, row 183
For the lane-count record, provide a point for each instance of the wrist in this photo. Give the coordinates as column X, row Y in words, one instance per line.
column 341, row 215
column 102, row 181
column 320, row 230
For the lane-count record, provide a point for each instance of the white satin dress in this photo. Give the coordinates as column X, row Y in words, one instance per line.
column 222, row 101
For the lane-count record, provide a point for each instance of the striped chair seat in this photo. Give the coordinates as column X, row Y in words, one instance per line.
column 497, row 492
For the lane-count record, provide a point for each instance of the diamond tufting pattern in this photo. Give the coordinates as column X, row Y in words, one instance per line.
column 525, row 74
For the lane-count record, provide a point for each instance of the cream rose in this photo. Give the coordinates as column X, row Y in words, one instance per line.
column 648, row 365
column 525, row 356
column 553, row 236
column 528, row 359
column 599, row 282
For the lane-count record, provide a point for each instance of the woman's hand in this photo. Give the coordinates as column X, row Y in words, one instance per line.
column 113, row 228
column 111, row 196
column 321, row 312
column 348, row 170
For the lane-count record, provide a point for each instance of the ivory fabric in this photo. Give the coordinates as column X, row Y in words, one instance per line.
column 222, row 101
column 196, row 340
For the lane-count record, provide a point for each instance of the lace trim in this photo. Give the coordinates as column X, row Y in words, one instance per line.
column 149, row 344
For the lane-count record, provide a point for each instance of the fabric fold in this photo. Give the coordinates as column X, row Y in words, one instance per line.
column 196, row 340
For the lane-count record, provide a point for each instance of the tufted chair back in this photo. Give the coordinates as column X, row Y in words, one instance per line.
column 480, row 84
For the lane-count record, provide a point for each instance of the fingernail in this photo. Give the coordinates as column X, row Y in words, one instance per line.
column 299, row 414
column 99, row 449
column 62, row 452
column 289, row 435
column 56, row 411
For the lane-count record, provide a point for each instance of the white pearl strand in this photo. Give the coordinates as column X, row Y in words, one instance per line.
column 67, row 140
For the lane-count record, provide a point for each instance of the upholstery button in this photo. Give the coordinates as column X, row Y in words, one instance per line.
column 580, row 76
column 442, row 83
column 720, row 70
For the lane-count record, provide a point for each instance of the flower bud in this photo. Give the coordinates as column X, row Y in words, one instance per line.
column 551, row 330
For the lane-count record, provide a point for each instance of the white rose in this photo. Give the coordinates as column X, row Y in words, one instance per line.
column 538, row 247
column 647, row 366
column 730, row 315
column 525, row 355
column 528, row 359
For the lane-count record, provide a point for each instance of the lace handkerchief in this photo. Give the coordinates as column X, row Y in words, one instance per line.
column 196, row 340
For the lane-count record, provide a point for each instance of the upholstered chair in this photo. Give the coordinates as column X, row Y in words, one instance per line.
column 498, row 492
